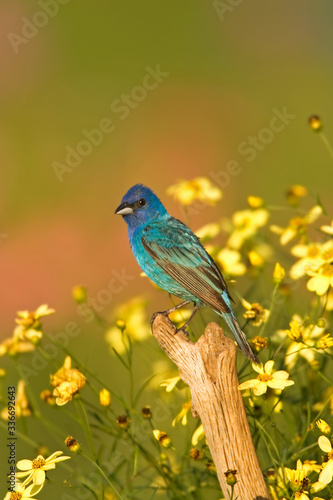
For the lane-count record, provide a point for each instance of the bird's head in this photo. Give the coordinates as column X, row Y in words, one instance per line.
column 140, row 206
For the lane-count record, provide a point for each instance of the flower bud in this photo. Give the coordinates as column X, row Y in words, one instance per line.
column 79, row 294
column 146, row 412
column 196, row 454
column 315, row 123
column 323, row 426
column 121, row 324
column 162, row 438
column 72, row 444
column 278, row 273
column 231, row 477
column 123, row 421
column 104, row 398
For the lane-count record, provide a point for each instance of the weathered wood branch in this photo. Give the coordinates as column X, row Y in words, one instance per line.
column 209, row 368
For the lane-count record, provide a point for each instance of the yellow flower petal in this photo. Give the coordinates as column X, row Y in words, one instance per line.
column 324, row 444
column 249, row 384
column 260, row 389
column 326, row 474
column 269, row 366
column 24, row 464
column 281, row 375
column 39, row 476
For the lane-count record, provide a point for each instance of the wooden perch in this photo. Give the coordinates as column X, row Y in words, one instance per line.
column 209, row 368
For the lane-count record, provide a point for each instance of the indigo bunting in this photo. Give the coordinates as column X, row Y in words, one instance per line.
column 171, row 255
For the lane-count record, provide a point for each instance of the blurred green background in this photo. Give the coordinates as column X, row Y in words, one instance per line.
column 226, row 74
column 225, row 78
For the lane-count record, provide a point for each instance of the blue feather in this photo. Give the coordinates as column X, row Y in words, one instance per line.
column 172, row 256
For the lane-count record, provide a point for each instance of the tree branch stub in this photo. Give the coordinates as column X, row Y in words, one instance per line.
column 209, row 369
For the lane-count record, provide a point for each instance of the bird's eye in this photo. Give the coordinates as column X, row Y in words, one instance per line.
column 142, row 202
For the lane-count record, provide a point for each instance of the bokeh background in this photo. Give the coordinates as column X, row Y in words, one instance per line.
column 225, row 67
column 225, row 78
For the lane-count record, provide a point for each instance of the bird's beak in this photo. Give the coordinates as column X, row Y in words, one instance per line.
column 124, row 209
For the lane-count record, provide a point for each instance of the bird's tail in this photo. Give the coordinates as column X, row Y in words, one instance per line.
column 240, row 337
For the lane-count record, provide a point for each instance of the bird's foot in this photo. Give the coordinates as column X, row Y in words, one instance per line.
column 181, row 330
column 168, row 311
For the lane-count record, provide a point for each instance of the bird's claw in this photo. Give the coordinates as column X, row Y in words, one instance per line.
column 180, row 330
column 177, row 330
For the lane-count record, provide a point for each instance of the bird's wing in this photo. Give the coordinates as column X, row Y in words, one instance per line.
column 180, row 254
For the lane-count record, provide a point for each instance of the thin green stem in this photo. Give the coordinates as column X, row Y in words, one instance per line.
column 95, row 464
column 327, row 143
column 87, row 429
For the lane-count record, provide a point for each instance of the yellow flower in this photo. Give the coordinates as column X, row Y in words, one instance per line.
column 295, row 330
column 326, row 475
column 323, row 426
column 305, row 339
column 162, row 438
column 182, row 415
column 208, row 232
column 324, row 342
column 200, row 188
column 246, row 224
column 230, row 477
column 196, row 454
column 230, row 262
column 315, row 123
column 297, row 225
column 295, row 478
column 266, row 378
column 104, row 397
column 311, row 256
column 259, row 343
column 123, row 421
column 23, row 493
column 29, row 325
column 34, row 470
column 255, row 259
column 79, row 293
column 309, row 259
column 321, row 280
column 255, row 201
column 295, row 193
column 146, row 412
column 278, row 273
column 22, row 407
column 170, row 383
column 198, row 434
column 14, row 345
column 327, row 229
column 255, row 312
column 133, row 313
column 72, row 444
column 27, row 333
column 67, row 381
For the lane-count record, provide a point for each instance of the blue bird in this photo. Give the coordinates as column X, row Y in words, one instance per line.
column 172, row 256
